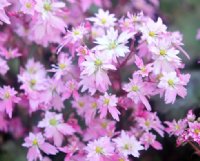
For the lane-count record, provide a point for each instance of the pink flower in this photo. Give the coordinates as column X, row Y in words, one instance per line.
column 194, row 131
column 150, row 121
column 99, row 150
column 138, row 90
column 10, row 53
column 71, row 89
column 144, row 69
column 176, row 127
column 35, row 143
column 152, row 30
column 82, row 51
column 55, row 127
column 148, row 139
column 48, row 7
column 103, row 19
column 132, row 23
column 128, row 145
column 165, row 56
column 99, row 128
column 7, row 99
column 96, row 68
column 113, row 44
column 64, row 66
column 173, row 85
column 28, row 6
column 3, row 16
column 107, row 103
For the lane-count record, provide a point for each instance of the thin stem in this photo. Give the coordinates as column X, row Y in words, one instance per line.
column 197, row 150
column 128, row 56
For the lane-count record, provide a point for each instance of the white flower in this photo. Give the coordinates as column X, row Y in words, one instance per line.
column 48, row 7
column 103, row 19
column 99, row 149
column 165, row 56
column 94, row 75
column 128, row 145
column 169, row 81
column 113, row 44
column 151, row 30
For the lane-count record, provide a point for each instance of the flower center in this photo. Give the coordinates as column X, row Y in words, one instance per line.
column 53, row 122
column 112, row 45
column 35, row 142
column 62, row 66
column 47, row 7
column 76, row 32
column 152, row 33
column 143, row 69
column 147, row 123
column 177, row 127
column 126, row 147
column 121, row 159
column 170, row 82
column 28, row 5
column 81, row 104
column 32, row 83
column 104, row 125
column 98, row 62
column 94, row 105
column 106, row 101
column 163, row 52
column 7, row 95
column 197, row 131
column 103, row 21
column 135, row 88
column 99, row 150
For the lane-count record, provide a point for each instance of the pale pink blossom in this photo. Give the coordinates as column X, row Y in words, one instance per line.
column 99, row 150
column 28, row 6
column 175, row 127
column 113, row 43
column 165, row 56
column 36, row 143
column 173, row 86
column 55, row 127
column 144, row 70
column 151, row 30
column 7, row 99
column 138, row 90
column 128, row 145
column 148, row 139
column 103, row 19
column 108, row 102
column 63, row 67
column 96, row 68
column 10, row 53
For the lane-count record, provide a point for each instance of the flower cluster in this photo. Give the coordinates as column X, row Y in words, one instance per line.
column 84, row 105
column 186, row 130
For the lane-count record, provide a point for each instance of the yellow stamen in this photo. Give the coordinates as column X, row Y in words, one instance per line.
column 152, row 34
column 47, row 6
column 171, row 82
column 53, row 122
column 35, row 142
column 135, row 88
column 163, row 52
column 99, row 150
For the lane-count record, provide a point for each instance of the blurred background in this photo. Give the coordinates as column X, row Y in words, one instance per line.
column 181, row 15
